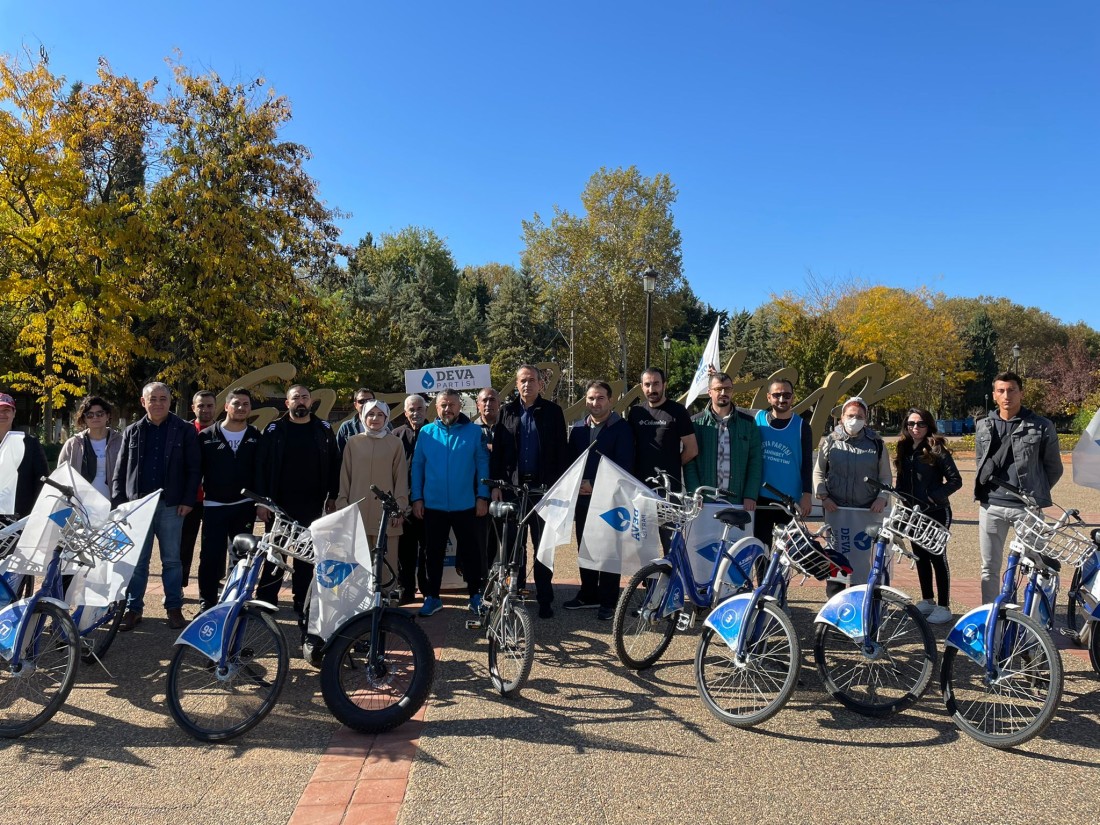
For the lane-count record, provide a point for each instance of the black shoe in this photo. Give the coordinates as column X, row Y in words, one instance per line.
column 579, row 604
column 546, row 611
column 606, row 614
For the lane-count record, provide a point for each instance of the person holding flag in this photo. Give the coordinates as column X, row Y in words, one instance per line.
column 609, row 435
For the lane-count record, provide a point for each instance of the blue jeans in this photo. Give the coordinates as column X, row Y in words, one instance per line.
column 167, row 526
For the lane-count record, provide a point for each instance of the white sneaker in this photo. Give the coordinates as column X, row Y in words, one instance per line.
column 941, row 615
column 926, row 607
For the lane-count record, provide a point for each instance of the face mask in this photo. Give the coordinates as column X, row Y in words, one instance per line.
column 853, row 425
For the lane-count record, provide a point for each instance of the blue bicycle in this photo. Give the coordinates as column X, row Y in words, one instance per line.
column 748, row 659
column 873, row 648
column 664, row 596
column 1083, row 609
column 1006, row 686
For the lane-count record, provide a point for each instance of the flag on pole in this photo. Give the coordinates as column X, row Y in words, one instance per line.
column 620, row 534
column 1086, row 456
column 343, row 578
column 701, row 381
column 556, row 509
column 12, row 448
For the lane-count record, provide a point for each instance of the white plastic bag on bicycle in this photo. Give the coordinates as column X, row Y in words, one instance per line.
column 1086, row 456
column 127, row 527
column 12, row 448
column 49, row 514
column 343, row 579
column 848, row 535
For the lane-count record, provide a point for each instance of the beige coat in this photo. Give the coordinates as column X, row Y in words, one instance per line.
column 370, row 461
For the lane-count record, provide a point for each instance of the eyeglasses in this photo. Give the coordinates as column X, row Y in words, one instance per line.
column 783, row 396
column 363, row 400
column 95, row 414
column 913, row 424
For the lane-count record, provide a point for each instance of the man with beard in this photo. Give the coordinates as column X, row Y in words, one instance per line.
column 410, row 545
column 447, row 467
column 788, row 458
column 298, row 467
column 229, row 451
column 663, row 436
column 730, row 456
column 202, row 405
column 354, row 425
column 488, row 408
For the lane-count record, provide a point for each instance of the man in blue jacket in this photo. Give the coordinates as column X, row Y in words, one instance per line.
column 612, row 438
column 448, row 463
column 159, row 451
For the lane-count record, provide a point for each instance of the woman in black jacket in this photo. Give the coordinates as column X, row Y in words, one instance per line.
column 927, row 472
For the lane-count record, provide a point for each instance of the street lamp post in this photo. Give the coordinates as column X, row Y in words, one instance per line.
column 941, row 393
column 1016, row 358
column 666, row 345
column 649, row 283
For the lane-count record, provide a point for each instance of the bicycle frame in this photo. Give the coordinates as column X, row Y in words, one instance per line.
column 1087, row 595
column 513, row 540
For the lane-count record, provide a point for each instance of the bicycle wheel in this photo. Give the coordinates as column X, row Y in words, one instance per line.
column 752, row 692
column 1094, row 646
column 214, row 706
column 639, row 641
column 33, row 690
column 511, row 647
column 893, row 674
column 97, row 639
column 371, row 697
column 1021, row 700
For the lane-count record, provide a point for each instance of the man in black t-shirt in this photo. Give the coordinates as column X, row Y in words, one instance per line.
column 663, row 436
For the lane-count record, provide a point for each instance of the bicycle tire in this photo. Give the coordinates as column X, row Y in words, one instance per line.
column 96, row 642
column 511, row 647
column 34, row 690
column 893, row 680
column 1075, row 620
column 746, row 695
column 369, row 699
column 1094, row 647
column 212, row 707
column 1033, row 690
column 639, row 643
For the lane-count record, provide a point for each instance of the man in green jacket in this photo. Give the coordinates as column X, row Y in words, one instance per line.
column 730, row 454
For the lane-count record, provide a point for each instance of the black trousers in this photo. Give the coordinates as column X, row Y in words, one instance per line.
column 187, row 540
column 271, row 577
column 544, row 576
column 410, row 558
column 437, row 529
column 932, row 564
column 219, row 526
column 596, row 585
column 765, row 519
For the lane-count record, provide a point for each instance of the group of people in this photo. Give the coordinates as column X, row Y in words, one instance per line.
column 437, row 472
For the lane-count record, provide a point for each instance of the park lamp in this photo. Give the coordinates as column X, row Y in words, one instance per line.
column 666, row 343
column 649, row 280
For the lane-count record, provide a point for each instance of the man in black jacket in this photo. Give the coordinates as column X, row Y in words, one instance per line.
column 30, row 467
column 410, row 546
column 229, row 451
column 299, row 469
column 533, row 430
column 159, row 451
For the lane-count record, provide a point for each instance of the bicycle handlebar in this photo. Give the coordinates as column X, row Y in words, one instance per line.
column 501, row 484
column 65, row 490
column 1029, row 501
column 263, row 501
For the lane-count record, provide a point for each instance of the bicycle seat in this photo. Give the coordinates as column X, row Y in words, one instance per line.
column 503, row 509
column 733, row 517
column 1053, row 565
column 243, row 544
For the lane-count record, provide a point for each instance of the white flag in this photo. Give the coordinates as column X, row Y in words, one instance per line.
column 556, row 509
column 49, row 514
column 620, row 533
column 1086, row 456
column 127, row 527
column 343, row 580
column 12, row 448
column 701, row 382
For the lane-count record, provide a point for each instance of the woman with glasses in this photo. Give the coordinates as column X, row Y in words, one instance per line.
column 927, row 472
column 93, row 452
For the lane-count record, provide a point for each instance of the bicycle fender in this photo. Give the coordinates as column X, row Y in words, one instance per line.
column 968, row 634
column 266, row 607
column 726, row 619
column 12, row 615
column 206, row 631
column 844, row 611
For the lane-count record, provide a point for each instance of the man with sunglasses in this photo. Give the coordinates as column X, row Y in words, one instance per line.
column 354, row 425
column 788, row 458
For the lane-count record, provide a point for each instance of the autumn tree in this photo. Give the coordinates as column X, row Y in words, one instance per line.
column 593, row 260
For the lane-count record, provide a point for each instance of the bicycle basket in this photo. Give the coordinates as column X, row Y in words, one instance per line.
column 290, row 538
column 922, row 530
column 108, row 543
column 808, row 555
column 9, row 537
column 1067, row 544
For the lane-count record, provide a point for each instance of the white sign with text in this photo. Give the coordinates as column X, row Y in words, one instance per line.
column 434, row 379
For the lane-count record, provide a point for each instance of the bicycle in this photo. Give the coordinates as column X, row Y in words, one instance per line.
column 873, row 649
column 377, row 668
column 39, row 642
column 231, row 661
column 1083, row 607
column 748, row 659
column 503, row 617
column 663, row 596
column 1006, row 687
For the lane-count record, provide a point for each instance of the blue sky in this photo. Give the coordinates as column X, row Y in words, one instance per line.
column 946, row 144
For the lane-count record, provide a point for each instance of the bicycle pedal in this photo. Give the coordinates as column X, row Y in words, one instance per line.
column 473, row 624
column 1074, row 636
